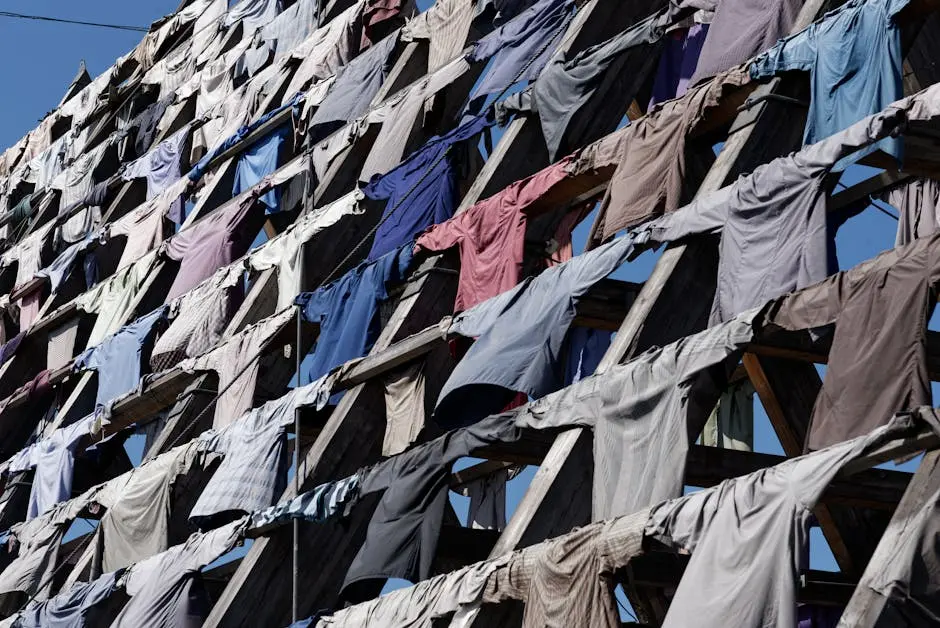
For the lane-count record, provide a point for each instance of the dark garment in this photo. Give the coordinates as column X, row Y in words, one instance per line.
column 401, row 540
column 747, row 536
column 522, row 46
column 317, row 505
column 774, row 233
column 90, row 266
column 432, row 172
column 356, row 85
column 586, row 348
column 519, row 337
column 742, row 28
column 146, row 124
column 813, row 616
column 854, row 59
column 569, row 84
column 73, row 608
column 374, row 12
column 8, row 350
column 119, row 357
column 61, row 267
column 212, row 242
column 677, row 63
column 878, row 361
column 258, row 161
column 654, row 176
column 346, row 310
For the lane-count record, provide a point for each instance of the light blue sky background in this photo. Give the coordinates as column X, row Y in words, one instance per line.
column 40, row 59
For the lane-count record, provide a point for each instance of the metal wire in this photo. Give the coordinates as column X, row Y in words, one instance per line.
column 44, row 18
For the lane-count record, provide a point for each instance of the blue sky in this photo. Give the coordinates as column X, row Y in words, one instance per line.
column 41, row 59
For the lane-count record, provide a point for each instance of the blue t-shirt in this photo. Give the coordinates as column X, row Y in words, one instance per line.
column 854, row 59
column 346, row 308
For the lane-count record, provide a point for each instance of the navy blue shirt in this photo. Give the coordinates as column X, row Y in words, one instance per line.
column 433, row 200
column 346, row 308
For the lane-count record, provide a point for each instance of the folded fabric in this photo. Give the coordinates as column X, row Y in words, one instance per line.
column 346, row 310
column 422, row 191
column 854, row 59
column 519, row 337
column 317, row 505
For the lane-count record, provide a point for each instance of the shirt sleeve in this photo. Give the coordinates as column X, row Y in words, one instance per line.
column 794, row 53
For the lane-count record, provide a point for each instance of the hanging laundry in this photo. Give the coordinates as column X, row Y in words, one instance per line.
column 399, row 117
column 327, row 50
column 487, row 495
column 374, row 13
column 144, row 226
column 655, row 175
column 521, row 47
column 258, row 161
column 355, row 87
column 446, row 26
column 251, row 14
column 642, row 413
column 401, row 539
column 166, row 589
column 162, row 167
column 422, row 191
column 61, row 267
column 752, row 531
column 346, row 310
column 918, row 205
column 572, row 94
column 119, row 358
column 405, row 415
column 8, row 350
column 137, row 521
column 317, row 505
column 878, row 361
column 731, row 423
column 237, row 363
column 677, row 64
column 40, row 541
column 569, row 581
column 53, row 458
column 285, row 252
column 111, row 298
column 290, row 27
column 491, row 237
column 253, row 473
column 198, row 318
column 75, row 607
column 212, row 242
column 854, row 59
column 519, row 337
column 739, row 30
column 585, row 350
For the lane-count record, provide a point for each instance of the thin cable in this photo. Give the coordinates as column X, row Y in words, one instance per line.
column 44, row 18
